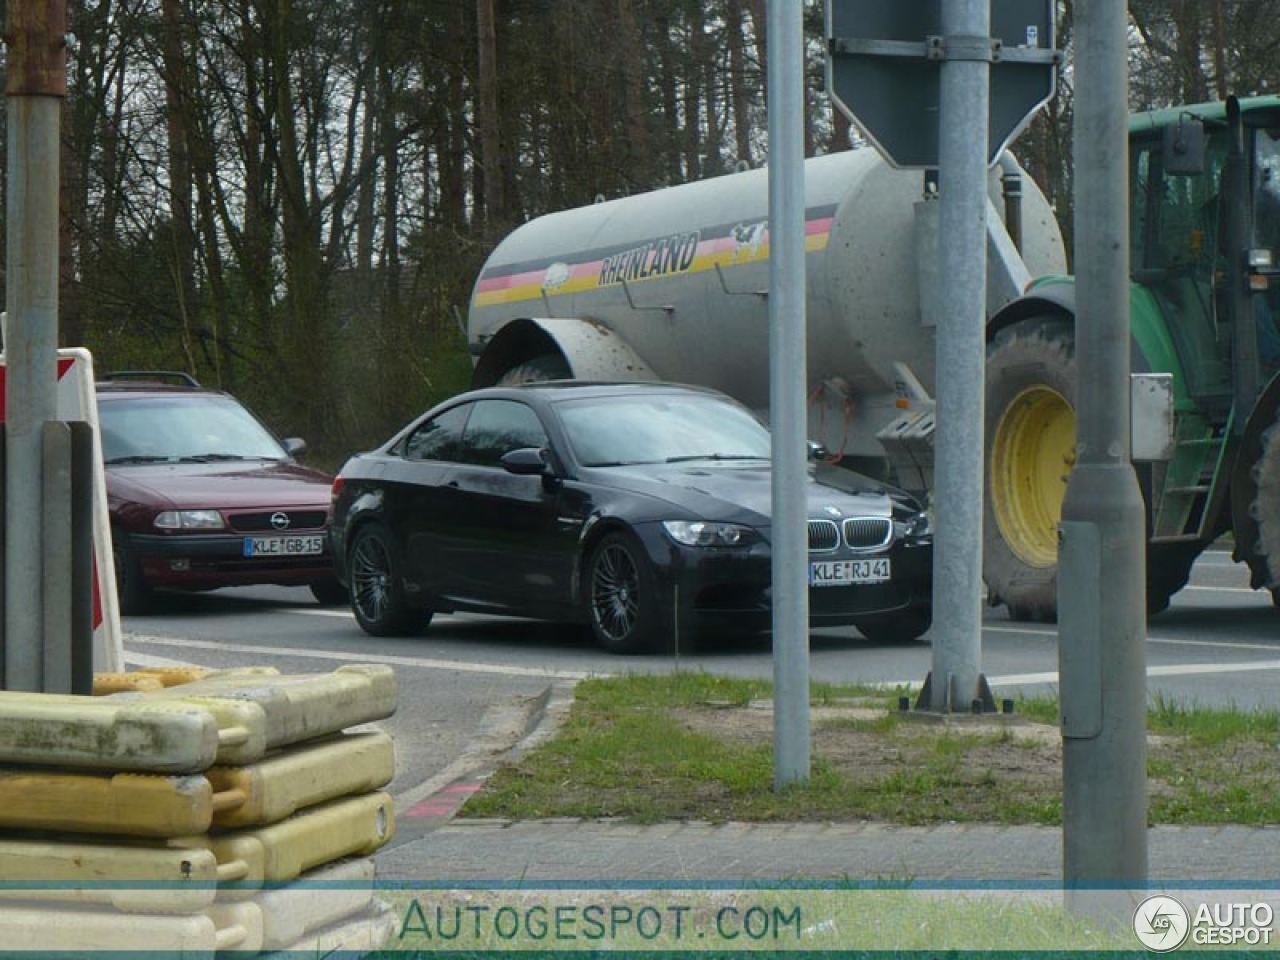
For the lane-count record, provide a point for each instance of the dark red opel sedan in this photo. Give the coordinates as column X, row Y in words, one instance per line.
column 202, row 495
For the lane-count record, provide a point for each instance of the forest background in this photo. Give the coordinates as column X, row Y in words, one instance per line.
column 291, row 199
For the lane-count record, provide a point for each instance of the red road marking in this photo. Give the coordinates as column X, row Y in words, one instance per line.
column 444, row 802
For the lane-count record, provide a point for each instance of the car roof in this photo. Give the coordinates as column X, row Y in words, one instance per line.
column 552, row 390
column 150, row 383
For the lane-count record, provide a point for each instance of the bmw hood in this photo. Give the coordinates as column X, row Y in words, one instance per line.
column 737, row 492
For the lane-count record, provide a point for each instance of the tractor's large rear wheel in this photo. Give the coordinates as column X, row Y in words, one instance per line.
column 1030, row 450
column 1264, row 560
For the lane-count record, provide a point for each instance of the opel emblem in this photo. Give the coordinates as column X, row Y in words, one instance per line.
column 280, row 521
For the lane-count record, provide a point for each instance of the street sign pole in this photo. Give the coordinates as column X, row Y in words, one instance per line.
column 787, row 378
column 955, row 677
column 947, row 84
column 1102, row 588
column 35, row 84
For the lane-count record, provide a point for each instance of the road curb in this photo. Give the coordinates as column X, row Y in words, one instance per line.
column 505, row 733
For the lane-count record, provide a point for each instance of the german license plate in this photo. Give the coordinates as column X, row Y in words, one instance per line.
column 283, row 546
column 840, row 573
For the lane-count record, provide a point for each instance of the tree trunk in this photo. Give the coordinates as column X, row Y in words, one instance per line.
column 635, row 102
column 177, row 85
column 491, row 200
column 739, row 94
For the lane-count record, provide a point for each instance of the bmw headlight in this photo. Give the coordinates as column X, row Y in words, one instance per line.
column 704, row 533
column 189, row 520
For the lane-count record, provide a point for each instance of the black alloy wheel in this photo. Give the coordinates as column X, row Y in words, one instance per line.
column 377, row 597
column 621, row 596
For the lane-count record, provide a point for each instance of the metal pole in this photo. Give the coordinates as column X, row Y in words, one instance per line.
column 787, row 377
column 1102, row 589
column 955, row 678
column 35, row 84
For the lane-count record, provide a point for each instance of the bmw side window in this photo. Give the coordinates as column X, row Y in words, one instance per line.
column 440, row 438
column 497, row 427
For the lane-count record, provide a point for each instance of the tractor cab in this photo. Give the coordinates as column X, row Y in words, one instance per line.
column 1205, row 242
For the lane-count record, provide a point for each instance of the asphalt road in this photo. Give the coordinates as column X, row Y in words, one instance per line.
column 469, row 684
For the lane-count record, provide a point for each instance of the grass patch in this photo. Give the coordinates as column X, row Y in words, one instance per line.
column 695, row 746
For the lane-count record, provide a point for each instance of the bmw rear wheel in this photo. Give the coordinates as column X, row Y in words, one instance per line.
column 377, row 595
column 621, row 596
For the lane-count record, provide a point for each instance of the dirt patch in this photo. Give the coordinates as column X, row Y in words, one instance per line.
column 1008, row 756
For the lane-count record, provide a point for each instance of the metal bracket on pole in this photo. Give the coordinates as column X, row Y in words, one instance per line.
column 83, row 576
column 55, row 543
column 972, row 48
column 982, row 700
column 67, row 542
column 4, row 525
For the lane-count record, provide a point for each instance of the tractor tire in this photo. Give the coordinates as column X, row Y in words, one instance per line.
column 1168, row 569
column 1264, row 562
column 1029, row 453
column 547, row 366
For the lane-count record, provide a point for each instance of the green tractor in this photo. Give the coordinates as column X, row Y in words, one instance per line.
column 1204, row 214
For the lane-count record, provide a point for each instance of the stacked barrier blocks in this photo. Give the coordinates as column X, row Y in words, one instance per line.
column 186, row 812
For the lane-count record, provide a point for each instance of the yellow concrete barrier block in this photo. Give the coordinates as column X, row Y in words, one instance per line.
column 302, row 776
column 355, row 936
column 298, row 707
column 172, row 676
column 108, row 683
column 319, row 899
column 281, row 852
column 242, row 725
column 108, row 734
column 129, row 804
column 38, row 931
column 323, row 898
column 128, row 877
column 245, row 919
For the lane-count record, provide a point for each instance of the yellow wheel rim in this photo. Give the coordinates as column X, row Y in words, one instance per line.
column 1031, row 457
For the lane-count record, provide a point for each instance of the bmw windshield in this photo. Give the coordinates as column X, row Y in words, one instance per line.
column 661, row 428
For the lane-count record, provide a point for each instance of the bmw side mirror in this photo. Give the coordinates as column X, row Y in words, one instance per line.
column 525, row 462
column 295, row 446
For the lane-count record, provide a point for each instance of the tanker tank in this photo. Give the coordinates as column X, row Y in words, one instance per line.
column 672, row 285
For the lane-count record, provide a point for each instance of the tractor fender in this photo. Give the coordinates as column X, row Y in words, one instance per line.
column 1053, row 300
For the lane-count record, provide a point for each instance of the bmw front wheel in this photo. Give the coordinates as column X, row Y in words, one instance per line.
column 621, row 596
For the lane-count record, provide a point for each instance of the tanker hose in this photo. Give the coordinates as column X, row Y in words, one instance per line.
column 1011, row 183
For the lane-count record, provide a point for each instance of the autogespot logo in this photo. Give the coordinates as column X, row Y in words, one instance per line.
column 1161, row 923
